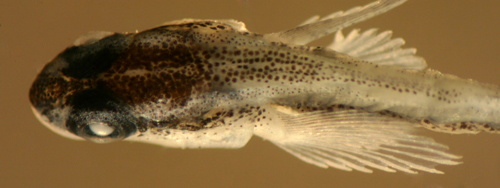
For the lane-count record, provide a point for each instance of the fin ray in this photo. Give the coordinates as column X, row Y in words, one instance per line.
column 377, row 48
column 313, row 30
column 346, row 138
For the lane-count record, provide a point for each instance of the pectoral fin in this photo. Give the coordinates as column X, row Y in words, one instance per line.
column 347, row 138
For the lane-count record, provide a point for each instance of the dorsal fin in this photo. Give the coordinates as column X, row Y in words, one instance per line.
column 377, row 48
column 314, row 29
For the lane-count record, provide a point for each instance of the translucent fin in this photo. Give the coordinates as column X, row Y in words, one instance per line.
column 310, row 20
column 316, row 28
column 91, row 37
column 355, row 139
column 236, row 25
column 377, row 48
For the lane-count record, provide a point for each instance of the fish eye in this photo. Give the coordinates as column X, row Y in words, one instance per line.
column 101, row 127
column 98, row 117
column 101, row 132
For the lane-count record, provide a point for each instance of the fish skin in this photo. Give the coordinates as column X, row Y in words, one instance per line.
column 214, row 84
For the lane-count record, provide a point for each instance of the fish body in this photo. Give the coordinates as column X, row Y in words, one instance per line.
column 214, row 84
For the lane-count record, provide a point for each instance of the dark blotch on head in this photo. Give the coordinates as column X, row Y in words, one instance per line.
column 88, row 60
column 92, row 100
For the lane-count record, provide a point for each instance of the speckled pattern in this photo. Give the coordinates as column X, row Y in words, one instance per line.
column 214, row 84
column 170, row 65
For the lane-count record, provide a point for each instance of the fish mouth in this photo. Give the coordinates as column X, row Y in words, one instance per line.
column 54, row 128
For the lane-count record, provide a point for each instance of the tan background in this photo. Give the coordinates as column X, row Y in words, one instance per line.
column 459, row 37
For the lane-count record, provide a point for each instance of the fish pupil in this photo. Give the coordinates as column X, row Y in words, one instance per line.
column 101, row 128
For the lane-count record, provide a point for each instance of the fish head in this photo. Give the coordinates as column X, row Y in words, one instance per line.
column 109, row 86
column 70, row 98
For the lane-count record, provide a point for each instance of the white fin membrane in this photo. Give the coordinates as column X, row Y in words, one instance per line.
column 91, row 37
column 355, row 139
column 377, row 48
